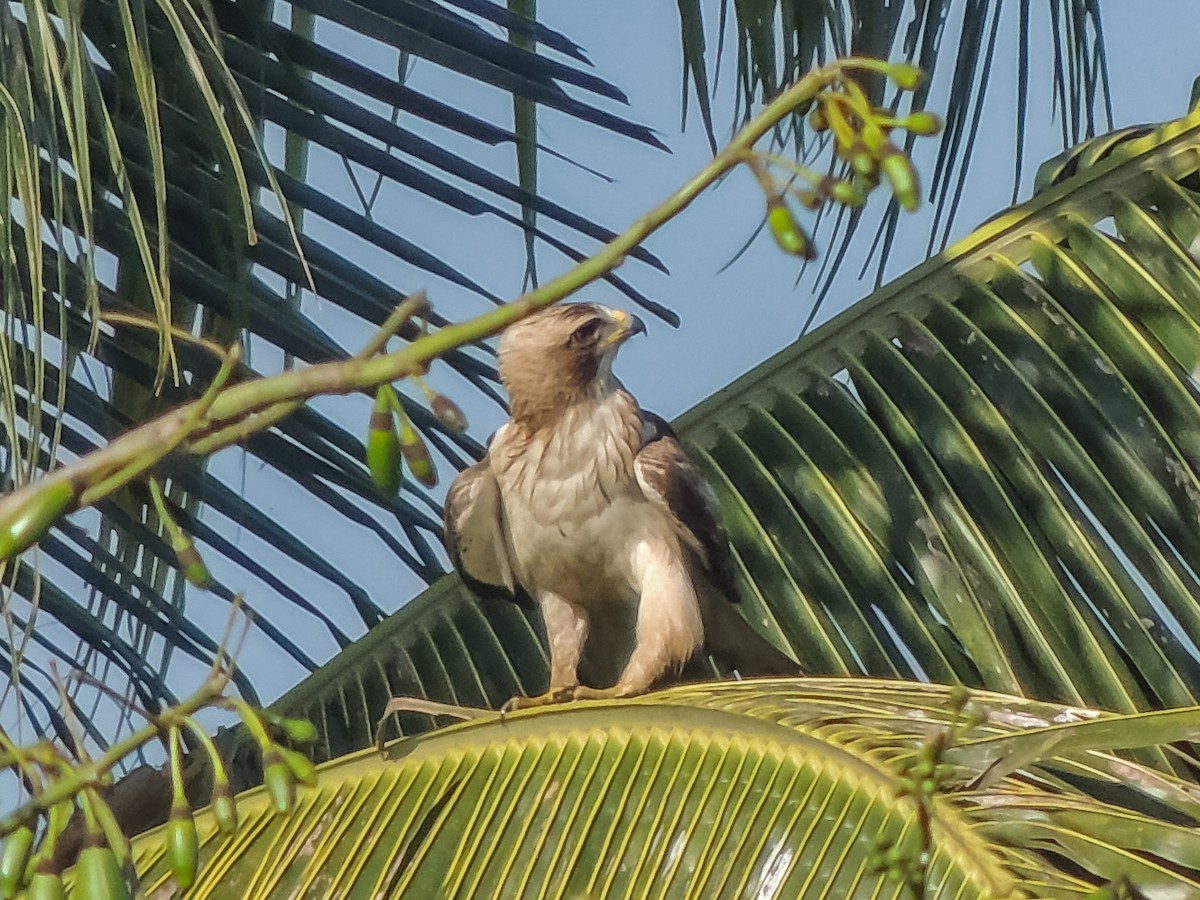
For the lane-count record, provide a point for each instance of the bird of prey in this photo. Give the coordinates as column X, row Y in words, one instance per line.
column 588, row 506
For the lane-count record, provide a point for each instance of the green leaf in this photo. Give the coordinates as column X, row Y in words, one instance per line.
column 781, row 788
column 984, row 473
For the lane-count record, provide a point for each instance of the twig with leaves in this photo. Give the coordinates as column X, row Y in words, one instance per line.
column 921, row 780
column 226, row 415
column 61, row 782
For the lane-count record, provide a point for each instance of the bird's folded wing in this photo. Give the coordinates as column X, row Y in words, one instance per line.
column 476, row 535
column 672, row 482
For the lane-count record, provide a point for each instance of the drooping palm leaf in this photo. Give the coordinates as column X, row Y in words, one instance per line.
column 983, row 473
column 765, row 789
column 137, row 155
column 760, row 47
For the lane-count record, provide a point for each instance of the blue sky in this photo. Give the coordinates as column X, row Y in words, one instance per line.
column 733, row 318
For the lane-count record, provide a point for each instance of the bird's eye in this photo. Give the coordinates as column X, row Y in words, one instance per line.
column 586, row 333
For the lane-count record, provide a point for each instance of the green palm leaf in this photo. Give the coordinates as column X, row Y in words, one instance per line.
column 984, row 473
column 130, row 128
column 763, row 46
column 774, row 789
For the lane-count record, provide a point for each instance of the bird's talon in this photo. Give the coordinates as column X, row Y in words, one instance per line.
column 583, row 692
column 552, row 696
column 565, row 694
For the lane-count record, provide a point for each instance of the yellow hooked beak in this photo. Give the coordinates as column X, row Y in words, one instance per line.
column 625, row 326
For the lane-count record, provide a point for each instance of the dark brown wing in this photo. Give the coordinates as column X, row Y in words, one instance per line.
column 475, row 534
column 672, row 482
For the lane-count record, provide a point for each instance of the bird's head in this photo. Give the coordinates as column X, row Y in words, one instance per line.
column 562, row 355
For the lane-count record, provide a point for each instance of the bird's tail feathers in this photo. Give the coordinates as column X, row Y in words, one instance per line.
column 734, row 644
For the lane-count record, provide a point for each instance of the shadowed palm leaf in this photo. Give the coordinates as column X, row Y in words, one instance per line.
column 758, row 789
column 983, row 473
column 127, row 133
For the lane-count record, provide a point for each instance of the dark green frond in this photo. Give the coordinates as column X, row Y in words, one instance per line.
column 775, row 43
column 130, row 134
column 985, row 473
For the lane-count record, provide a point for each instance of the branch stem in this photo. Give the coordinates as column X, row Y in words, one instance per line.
column 224, row 417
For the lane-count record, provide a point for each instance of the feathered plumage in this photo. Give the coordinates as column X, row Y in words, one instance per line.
column 588, row 505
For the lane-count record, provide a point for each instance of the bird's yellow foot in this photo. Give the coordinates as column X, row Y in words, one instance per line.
column 583, row 692
column 554, row 695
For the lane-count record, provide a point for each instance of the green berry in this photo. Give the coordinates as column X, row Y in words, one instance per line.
column 900, row 173
column 907, row 76
column 448, row 413
column 922, row 122
column 183, row 846
column 787, row 231
column 17, row 848
column 383, row 445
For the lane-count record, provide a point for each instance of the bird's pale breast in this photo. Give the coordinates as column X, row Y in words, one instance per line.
column 574, row 508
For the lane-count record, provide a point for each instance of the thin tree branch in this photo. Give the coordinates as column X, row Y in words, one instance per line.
column 234, row 413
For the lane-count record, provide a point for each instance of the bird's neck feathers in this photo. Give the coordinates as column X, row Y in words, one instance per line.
column 541, row 393
column 591, row 441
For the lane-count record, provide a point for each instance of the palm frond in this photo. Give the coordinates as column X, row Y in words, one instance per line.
column 789, row 788
column 984, row 473
column 139, row 186
column 769, row 45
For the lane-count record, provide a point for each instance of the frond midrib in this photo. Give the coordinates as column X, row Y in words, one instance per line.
column 823, row 351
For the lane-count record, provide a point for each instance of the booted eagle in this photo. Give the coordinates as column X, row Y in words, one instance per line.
column 587, row 505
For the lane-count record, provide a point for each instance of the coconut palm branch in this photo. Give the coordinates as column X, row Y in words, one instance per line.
column 790, row 788
column 981, row 474
column 136, row 137
column 132, row 135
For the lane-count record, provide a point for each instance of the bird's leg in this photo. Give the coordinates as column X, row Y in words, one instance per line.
column 669, row 626
column 566, row 630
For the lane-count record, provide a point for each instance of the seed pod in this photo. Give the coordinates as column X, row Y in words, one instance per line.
column 787, row 231
column 383, row 446
column 907, row 76
column 447, row 412
column 416, row 454
column 14, row 860
column 34, row 519
column 280, row 784
column 923, row 767
column 46, row 886
column 808, row 199
column 874, row 137
column 100, row 875
column 903, row 178
column 866, row 183
column 183, row 846
column 922, row 122
column 224, row 808
column 299, row 731
column 194, row 569
column 846, row 193
column 862, row 160
column 300, row 766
